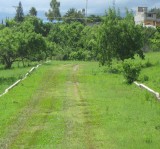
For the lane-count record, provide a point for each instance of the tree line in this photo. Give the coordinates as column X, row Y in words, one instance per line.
column 28, row 38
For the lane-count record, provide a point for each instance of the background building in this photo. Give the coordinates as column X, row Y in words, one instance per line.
column 146, row 18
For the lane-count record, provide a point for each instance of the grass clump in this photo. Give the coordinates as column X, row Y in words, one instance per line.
column 131, row 71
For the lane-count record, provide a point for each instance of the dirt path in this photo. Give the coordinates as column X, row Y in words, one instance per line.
column 77, row 115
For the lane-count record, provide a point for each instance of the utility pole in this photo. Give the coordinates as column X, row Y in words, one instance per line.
column 86, row 10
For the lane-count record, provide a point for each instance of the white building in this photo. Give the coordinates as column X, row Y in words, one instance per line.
column 148, row 19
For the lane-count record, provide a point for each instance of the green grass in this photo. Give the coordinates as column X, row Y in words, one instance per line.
column 79, row 105
column 122, row 116
column 152, row 73
column 9, row 76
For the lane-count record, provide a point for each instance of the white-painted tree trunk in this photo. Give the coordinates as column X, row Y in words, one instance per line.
column 17, row 82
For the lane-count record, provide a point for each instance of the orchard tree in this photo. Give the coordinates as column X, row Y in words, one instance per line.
column 50, row 49
column 119, row 39
column 36, row 45
column 36, row 24
column 57, row 34
column 88, row 40
column 54, row 12
column 31, row 42
column 73, row 34
column 19, row 13
column 32, row 46
column 8, row 46
column 67, row 36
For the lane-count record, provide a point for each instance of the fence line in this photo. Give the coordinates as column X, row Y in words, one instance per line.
column 156, row 94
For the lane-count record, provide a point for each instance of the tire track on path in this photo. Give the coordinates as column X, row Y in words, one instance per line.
column 78, row 131
column 20, row 123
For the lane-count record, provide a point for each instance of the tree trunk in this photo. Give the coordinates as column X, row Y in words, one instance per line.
column 8, row 63
column 23, row 62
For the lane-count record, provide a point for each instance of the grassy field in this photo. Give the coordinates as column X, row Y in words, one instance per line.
column 78, row 105
column 152, row 72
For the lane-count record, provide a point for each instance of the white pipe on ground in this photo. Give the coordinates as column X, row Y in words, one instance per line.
column 148, row 89
column 17, row 82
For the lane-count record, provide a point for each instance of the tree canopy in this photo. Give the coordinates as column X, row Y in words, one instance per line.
column 33, row 11
column 155, row 40
column 113, row 37
column 8, row 46
column 73, row 15
column 119, row 38
column 54, row 12
column 19, row 13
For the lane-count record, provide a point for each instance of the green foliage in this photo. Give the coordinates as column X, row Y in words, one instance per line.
column 50, row 49
column 67, row 36
column 35, row 46
column 119, row 39
column 115, row 68
column 148, row 33
column 155, row 40
column 8, row 46
column 114, row 38
column 152, row 72
column 80, row 55
column 131, row 71
column 88, row 40
column 32, row 43
column 33, row 11
column 54, row 12
column 20, row 41
column 94, row 19
column 73, row 15
column 2, row 26
column 11, row 23
column 33, row 23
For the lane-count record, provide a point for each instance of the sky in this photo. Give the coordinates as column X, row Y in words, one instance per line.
column 94, row 6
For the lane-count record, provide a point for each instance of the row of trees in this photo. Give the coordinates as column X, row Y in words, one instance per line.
column 53, row 13
column 21, row 41
column 19, row 17
column 114, row 38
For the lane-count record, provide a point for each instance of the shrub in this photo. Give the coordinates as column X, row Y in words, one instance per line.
column 131, row 71
column 115, row 68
